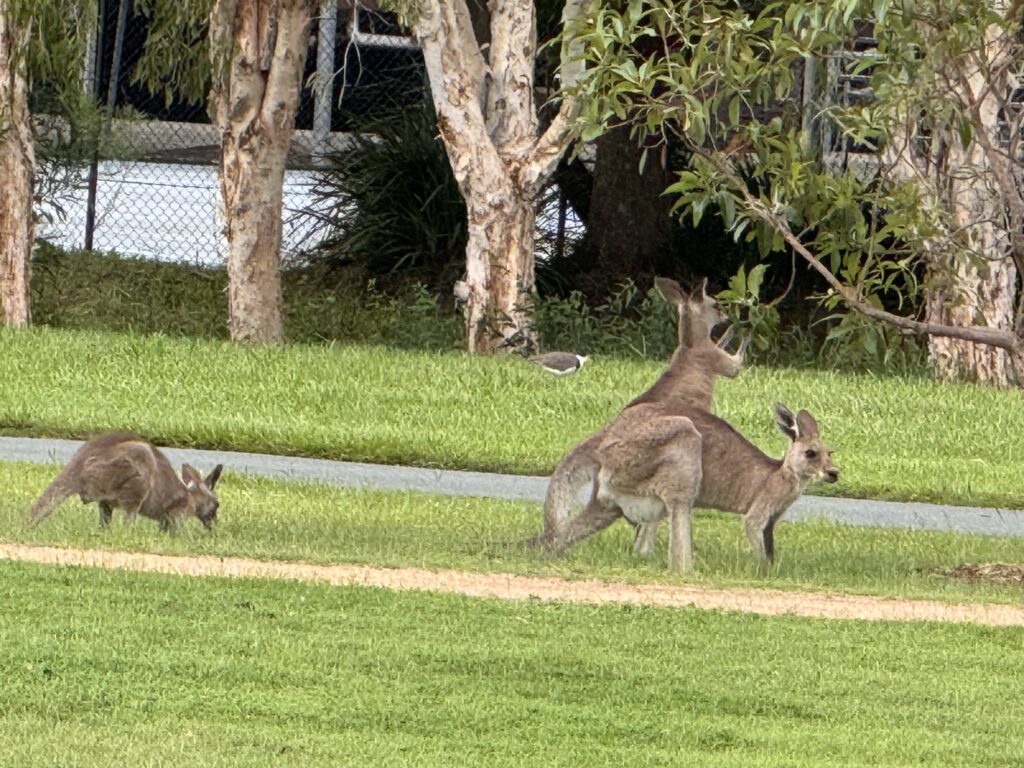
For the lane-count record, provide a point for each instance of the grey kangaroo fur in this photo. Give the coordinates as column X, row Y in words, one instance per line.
column 689, row 379
column 662, row 460
column 124, row 470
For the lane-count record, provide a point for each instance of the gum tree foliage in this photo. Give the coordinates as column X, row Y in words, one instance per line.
column 930, row 215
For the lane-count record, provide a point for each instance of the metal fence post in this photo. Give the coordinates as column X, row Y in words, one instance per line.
column 97, row 93
column 115, row 77
column 327, row 29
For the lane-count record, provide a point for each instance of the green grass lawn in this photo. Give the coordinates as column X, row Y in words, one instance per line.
column 317, row 523
column 894, row 437
column 111, row 668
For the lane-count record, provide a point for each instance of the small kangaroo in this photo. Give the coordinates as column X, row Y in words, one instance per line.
column 124, row 470
column 660, row 460
column 688, row 379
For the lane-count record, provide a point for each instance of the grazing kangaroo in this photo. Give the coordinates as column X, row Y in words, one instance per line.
column 661, row 460
column 124, row 470
column 688, row 379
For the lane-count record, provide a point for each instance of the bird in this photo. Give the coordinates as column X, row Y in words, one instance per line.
column 559, row 363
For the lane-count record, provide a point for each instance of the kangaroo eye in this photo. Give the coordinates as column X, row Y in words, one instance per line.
column 810, row 453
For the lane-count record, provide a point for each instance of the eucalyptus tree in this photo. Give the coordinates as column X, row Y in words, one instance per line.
column 40, row 40
column 928, row 212
column 258, row 49
column 483, row 88
column 250, row 54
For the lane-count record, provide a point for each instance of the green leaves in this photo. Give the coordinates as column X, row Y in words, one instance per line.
column 176, row 57
column 868, row 175
column 741, row 302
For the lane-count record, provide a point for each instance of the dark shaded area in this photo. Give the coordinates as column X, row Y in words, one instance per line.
column 390, row 207
column 370, row 78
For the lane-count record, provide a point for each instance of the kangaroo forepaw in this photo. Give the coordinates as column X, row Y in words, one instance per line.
column 744, row 343
column 544, row 542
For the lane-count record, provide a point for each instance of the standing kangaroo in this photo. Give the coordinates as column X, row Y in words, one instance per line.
column 660, row 460
column 123, row 470
column 689, row 379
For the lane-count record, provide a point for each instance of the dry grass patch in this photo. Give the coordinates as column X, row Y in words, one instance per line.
column 995, row 573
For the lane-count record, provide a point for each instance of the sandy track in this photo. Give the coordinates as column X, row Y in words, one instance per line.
column 768, row 602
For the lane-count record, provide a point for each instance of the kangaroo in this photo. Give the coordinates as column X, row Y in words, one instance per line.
column 124, row 470
column 661, row 460
column 688, row 379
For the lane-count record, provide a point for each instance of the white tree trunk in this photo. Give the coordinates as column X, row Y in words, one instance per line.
column 499, row 269
column 259, row 50
column 972, row 295
column 488, row 122
column 977, row 285
column 17, row 163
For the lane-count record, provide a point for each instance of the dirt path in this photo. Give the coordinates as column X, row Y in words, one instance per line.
column 768, row 602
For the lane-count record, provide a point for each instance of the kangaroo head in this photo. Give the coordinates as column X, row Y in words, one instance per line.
column 809, row 459
column 697, row 314
column 702, row 316
column 202, row 501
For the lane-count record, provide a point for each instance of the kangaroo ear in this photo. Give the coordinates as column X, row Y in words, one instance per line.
column 670, row 290
column 190, row 476
column 704, row 289
column 806, row 424
column 786, row 422
column 213, row 477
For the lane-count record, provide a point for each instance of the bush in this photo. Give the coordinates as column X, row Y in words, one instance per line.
column 391, row 204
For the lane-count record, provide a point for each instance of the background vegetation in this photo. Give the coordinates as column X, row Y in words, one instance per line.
column 94, row 291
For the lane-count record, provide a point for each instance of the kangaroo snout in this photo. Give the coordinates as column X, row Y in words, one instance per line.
column 209, row 518
column 831, row 475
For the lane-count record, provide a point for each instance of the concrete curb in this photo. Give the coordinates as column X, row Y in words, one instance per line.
column 890, row 514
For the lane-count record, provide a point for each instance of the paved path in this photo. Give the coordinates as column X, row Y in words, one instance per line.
column 941, row 517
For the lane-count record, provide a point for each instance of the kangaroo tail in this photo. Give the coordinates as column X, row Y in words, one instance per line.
column 54, row 494
column 577, row 468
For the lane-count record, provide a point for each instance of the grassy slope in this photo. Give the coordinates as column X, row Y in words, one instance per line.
column 895, row 438
column 106, row 668
column 298, row 521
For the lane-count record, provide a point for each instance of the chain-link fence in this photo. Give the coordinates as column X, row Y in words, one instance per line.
column 154, row 191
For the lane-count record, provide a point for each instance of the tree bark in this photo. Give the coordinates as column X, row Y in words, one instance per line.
column 499, row 265
column 259, row 51
column 17, row 164
column 981, row 291
column 970, row 295
column 488, row 121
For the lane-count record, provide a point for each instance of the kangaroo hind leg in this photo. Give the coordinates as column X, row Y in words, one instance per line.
column 595, row 517
column 106, row 512
column 677, row 483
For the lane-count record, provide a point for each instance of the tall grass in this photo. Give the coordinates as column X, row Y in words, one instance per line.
column 894, row 437
column 105, row 668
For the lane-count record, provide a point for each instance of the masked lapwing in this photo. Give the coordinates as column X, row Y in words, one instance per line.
column 559, row 363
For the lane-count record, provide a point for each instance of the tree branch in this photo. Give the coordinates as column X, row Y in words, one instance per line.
column 982, row 335
column 548, row 149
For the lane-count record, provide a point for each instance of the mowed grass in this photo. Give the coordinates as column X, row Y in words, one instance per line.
column 894, row 438
column 111, row 668
column 269, row 519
